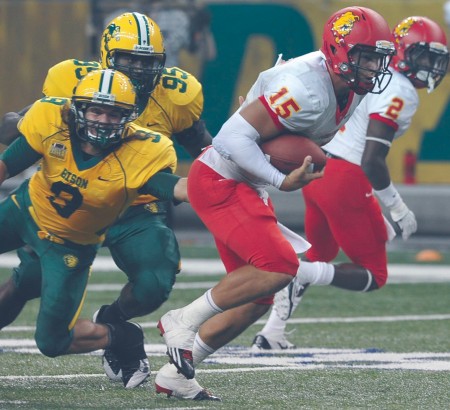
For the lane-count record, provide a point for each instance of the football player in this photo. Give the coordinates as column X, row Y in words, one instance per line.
column 314, row 95
column 88, row 176
column 170, row 101
column 341, row 210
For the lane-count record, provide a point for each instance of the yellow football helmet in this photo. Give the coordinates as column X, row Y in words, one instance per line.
column 133, row 44
column 103, row 88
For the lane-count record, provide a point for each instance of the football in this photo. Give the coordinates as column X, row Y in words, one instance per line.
column 287, row 152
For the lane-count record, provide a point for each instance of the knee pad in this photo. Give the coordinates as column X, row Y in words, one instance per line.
column 27, row 276
column 52, row 335
column 52, row 344
column 152, row 289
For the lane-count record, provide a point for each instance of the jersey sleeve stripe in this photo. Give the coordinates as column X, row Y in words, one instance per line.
column 387, row 121
column 273, row 115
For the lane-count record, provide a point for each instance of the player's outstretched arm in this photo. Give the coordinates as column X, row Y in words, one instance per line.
column 180, row 190
column 300, row 177
column 8, row 126
column 17, row 158
column 167, row 187
column 3, row 172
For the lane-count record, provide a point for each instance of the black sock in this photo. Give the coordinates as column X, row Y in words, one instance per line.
column 126, row 340
column 112, row 314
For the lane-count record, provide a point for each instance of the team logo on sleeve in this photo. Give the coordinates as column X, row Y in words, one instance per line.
column 58, row 151
column 343, row 25
column 71, row 261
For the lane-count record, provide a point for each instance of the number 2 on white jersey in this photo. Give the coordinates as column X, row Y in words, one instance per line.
column 395, row 108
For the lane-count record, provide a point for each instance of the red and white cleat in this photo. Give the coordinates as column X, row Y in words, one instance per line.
column 171, row 382
column 179, row 338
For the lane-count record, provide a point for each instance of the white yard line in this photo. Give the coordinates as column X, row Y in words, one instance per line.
column 247, row 360
column 293, row 321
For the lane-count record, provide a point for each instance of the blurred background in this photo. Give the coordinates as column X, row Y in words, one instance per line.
column 226, row 44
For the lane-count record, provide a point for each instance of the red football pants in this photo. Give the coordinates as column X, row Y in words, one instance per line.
column 243, row 226
column 342, row 212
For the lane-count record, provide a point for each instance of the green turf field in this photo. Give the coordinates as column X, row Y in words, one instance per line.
column 384, row 350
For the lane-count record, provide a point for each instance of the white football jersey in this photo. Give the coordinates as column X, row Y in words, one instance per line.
column 397, row 104
column 301, row 95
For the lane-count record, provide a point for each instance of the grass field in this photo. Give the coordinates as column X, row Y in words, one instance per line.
column 384, row 350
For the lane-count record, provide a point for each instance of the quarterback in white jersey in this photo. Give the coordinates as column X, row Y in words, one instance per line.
column 300, row 97
column 341, row 210
column 311, row 95
column 305, row 78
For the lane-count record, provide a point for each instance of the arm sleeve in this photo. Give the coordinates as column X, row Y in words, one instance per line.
column 161, row 185
column 238, row 141
column 19, row 156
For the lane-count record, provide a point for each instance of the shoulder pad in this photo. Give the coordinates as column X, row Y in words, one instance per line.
column 180, row 87
column 136, row 132
column 63, row 77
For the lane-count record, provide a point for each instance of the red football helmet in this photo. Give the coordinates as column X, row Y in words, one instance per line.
column 357, row 46
column 422, row 53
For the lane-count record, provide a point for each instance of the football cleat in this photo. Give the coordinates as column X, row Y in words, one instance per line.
column 264, row 342
column 131, row 356
column 171, row 382
column 288, row 298
column 110, row 363
column 134, row 373
column 179, row 338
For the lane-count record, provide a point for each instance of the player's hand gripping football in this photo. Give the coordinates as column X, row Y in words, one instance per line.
column 300, row 177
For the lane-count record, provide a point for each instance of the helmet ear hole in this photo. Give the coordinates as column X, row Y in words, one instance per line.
column 344, row 67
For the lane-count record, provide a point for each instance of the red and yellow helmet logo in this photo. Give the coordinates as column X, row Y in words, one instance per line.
column 343, row 26
column 403, row 28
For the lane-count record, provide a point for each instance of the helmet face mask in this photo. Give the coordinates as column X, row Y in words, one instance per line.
column 133, row 44
column 367, row 69
column 422, row 53
column 103, row 94
column 353, row 39
column 144, row 70
column 100, row 134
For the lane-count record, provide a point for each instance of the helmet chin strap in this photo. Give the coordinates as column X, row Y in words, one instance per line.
column 95, row 137
column 423, row 75
column 431, row 84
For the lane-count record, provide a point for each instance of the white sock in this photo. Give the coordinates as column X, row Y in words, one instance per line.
column 200, row 310
column 315, row 273
column 274, row 325
column 201, row 350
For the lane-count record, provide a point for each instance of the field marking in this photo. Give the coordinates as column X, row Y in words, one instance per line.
column 293, row 321
column 247, row 360
column 102, row 287
column 423, row 273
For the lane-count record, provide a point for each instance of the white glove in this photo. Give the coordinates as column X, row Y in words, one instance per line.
column 404, row 218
